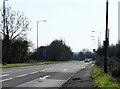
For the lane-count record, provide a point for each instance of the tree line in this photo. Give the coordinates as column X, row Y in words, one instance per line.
column 113, row 50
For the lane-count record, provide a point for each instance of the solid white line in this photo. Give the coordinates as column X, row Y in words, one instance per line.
column 4, row 75
column 6, row 79
column 22, row 75
column 45, row 77
column 34, row 72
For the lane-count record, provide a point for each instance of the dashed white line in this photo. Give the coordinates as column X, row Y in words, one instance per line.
column 65, row 69
column 4, row 75
column 6, row 79
column 20, row 70
column 6, row 72
column 49, row 68
column 42, row 70
column 22, row 75
column 34, row 72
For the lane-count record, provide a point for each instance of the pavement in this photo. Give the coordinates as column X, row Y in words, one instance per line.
column 81, row 80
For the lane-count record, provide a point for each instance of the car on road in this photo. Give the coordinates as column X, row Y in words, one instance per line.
column 88, row 59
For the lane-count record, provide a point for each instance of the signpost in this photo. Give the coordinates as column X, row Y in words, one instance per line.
column 45, row 54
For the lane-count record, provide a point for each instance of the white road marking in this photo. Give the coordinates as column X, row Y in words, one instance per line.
column 45, row 77
column 49, row 68
column 65, row 69
column 6, row 72
column 4, row 75
column 34, row 72
column 20, row 70
column 42, row 70
column 6, row 79
column 22, row 75
column 83, row 67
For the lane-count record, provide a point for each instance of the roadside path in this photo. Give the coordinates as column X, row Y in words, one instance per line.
column 80, row 80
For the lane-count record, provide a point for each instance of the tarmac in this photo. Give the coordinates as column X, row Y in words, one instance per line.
column 81, row 80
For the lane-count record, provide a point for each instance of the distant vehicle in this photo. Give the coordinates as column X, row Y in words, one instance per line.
column 80, row 59
column 88, row 59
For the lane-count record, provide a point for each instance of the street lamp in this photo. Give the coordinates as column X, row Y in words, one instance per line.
column 99, row 39
column 37, row 30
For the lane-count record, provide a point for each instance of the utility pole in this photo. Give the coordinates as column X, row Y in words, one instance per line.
column 106, row 42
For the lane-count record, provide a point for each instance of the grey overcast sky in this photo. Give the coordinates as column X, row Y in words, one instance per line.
column 70, row 20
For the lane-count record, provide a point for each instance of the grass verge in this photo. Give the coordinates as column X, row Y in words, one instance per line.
column 103, row 80
column 31, row 64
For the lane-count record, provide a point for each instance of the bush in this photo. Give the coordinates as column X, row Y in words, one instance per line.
column 113, row 65
column 100, row 62
column 103, row 80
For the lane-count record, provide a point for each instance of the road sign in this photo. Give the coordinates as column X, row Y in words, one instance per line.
column 44, row 53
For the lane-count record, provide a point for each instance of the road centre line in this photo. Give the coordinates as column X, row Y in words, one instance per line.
column 65, row 69
column 6, row 79
column 42, row 70
column 6, row 72
column 22, row 75
column 20, row 70
column 34, row 72
column 4, row 75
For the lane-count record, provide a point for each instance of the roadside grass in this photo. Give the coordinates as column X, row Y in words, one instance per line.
column 32, row 64
column 103, row 80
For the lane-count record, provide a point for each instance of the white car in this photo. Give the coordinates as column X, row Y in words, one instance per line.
column 88, row 59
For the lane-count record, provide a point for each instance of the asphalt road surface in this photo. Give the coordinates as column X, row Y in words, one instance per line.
column 52, row 75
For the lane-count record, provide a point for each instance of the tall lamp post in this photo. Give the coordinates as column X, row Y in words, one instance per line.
column 37, row 30
column 94, row 49
column 106, row 42
column 99, row 39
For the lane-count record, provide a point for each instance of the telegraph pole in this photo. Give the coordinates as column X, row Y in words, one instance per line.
column 106, row 42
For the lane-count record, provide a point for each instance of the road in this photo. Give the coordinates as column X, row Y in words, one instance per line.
column 52, row 75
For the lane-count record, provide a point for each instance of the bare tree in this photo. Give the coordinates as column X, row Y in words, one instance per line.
column 13, row 25
column 16, row 24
